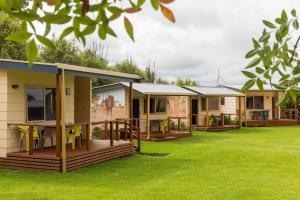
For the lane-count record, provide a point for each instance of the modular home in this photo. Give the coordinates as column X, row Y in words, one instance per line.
column 159, row 110
column 45, row 112
column 216, row 108
column 262, row 109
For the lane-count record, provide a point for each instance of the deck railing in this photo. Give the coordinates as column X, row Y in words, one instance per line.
column 274, row 114
column 44, row 125
column 114, row 127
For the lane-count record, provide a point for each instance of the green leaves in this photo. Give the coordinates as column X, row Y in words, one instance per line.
column 45, row 41
column 31, row 51
column 249, row 74
column 155, row 4
column 19, row 37
column 129, row 28
column 4, row 6
column 277, row 53
column 82, row 17
column 269, row 24
column 253, row 63
column 249, row 84
column 66, row 32
column 251, row 53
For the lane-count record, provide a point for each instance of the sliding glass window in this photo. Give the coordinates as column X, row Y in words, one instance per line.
column 41, row 104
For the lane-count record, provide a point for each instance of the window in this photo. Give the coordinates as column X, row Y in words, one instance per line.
column 213, row 103
column 157, row 105
column 160, row 104
column 41, row 104
column 223, row 101
column 255, row 102
column 259, row 102
column 249, row 102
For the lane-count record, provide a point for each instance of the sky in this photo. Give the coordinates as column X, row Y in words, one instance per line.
column 208, row 36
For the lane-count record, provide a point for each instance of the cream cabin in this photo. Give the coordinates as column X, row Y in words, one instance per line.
column 262, row 109
column 45, row 112
column 215, row 108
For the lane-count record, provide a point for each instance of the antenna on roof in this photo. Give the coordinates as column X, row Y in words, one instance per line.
column 220, row 79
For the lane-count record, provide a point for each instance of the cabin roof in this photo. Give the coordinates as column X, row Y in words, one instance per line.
column 238, row 87
column 214, row 91
column 69, row 70
column 149, row 88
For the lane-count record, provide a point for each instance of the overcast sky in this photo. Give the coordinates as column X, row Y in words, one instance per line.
column 208, row 34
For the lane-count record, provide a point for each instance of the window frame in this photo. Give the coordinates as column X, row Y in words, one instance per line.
column 203, row 99
column 253, row 102
column 222, row 101
column 154, row 99
column 44, row 88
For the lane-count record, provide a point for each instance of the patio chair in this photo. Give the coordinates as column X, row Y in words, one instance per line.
column 164, row 125
column 24, row 133
column 74, row 133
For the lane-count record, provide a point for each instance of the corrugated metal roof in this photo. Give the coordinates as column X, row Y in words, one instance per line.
column 214, row 91
column 159, row 89
column 238, row 87
column 69, row 69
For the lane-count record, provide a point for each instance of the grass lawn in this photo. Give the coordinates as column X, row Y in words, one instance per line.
column 252, row 163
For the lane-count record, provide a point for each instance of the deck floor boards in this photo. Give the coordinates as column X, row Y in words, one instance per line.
column 100, row 151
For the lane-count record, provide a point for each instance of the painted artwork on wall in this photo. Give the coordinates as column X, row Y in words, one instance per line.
column 178, row 106
column 109, row 105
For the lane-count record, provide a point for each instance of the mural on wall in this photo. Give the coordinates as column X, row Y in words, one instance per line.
column 178, row 106
column 109, row 105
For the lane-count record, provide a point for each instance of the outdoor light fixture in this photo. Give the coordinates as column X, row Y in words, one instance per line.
column 15, row 86
column 68, row 91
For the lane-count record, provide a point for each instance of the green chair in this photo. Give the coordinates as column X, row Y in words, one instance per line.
column 74, row 133
column 24, row 133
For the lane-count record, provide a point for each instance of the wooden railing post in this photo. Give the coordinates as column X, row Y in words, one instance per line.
column 117, row 130
column 139, row 139
column 31, row 140
column 125, row 131
column 290, row 113
column 87, row 135
column 222, row 119
column 178, row 128
column 169, row 124
column 106, row 129
column 111, row 133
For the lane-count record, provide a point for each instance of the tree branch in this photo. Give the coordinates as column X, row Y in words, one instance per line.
column 295, row 48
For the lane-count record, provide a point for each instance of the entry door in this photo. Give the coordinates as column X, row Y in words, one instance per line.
column 194, row 111
column 136, row 110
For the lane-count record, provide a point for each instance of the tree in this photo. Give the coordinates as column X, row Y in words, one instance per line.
column 186, row 82
column 10, row 49
column 83, row 17
column 274, row 57
column 150, row 73
column 62, row 52
column 128, row 66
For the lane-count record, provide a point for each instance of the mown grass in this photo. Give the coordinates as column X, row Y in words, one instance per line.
column 252, row 163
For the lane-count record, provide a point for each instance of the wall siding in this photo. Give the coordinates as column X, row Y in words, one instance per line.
column 3, row 112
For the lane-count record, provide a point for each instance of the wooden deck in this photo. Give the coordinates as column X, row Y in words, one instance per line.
column 216, row 128
column 100, row 151
column 281, row 122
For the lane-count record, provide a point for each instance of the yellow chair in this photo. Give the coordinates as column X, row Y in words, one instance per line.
column 73, row 133
column 24, row 133
column 164, row 125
